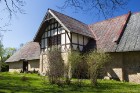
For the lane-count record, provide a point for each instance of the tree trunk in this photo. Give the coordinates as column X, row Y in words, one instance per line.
column 94, row 78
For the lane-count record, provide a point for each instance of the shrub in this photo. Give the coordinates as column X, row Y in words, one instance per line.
column 55, row 66
column 77, row 65
column 4, row 67
column 96, row 61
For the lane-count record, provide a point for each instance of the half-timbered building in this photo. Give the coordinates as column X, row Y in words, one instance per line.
column 119, row 36
column 63, row 32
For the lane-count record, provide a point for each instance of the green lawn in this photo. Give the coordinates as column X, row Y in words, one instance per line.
column 17, row 83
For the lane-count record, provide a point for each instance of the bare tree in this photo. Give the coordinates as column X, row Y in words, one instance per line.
column 8, row 8
column 104, row 7
column 13, row 6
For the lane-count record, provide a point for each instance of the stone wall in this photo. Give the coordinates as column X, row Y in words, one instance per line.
column 114, row 67
column 44, row 62
column 132, row 67
column 15, row 66
column 33, row 65
column 18, row 66
column 124, row 66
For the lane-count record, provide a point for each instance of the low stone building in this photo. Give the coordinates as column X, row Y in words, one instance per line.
column 120, row 36
column 25, row 59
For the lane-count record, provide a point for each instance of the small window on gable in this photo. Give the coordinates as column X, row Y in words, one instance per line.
column 51, row 20
column 55, row 20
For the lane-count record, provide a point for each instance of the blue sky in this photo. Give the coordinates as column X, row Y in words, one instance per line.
column 24, row 26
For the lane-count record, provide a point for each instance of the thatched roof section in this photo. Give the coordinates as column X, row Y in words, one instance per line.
column 29, row 51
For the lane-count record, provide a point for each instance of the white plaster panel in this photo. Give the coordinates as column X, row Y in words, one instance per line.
column 63, row 39
column 74, row 38
column 67, row 39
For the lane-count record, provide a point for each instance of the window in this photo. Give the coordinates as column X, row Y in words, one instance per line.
column 54, row 40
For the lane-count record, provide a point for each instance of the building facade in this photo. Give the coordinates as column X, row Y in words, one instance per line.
column 119, row 36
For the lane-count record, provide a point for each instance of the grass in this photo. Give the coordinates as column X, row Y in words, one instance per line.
column 32, row 83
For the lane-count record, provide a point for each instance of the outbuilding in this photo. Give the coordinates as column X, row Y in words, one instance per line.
column 25, row 59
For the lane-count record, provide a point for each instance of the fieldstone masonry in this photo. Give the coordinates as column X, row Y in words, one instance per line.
column 124, row 67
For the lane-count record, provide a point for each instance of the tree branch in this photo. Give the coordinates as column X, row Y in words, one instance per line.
column 101, row 7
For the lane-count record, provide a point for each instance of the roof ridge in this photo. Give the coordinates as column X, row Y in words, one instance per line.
column 107, row 19
column 120, row 33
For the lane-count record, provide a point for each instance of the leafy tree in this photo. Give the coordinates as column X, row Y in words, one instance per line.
column 96, row 60
column 5, row 53
column 1, row 54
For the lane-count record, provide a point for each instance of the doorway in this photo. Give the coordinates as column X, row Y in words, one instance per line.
column 25, row 66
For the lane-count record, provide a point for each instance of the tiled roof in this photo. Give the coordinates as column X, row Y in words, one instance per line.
column 130, row 40
column 117, row 34
column 29, row 51
column 108, row 32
